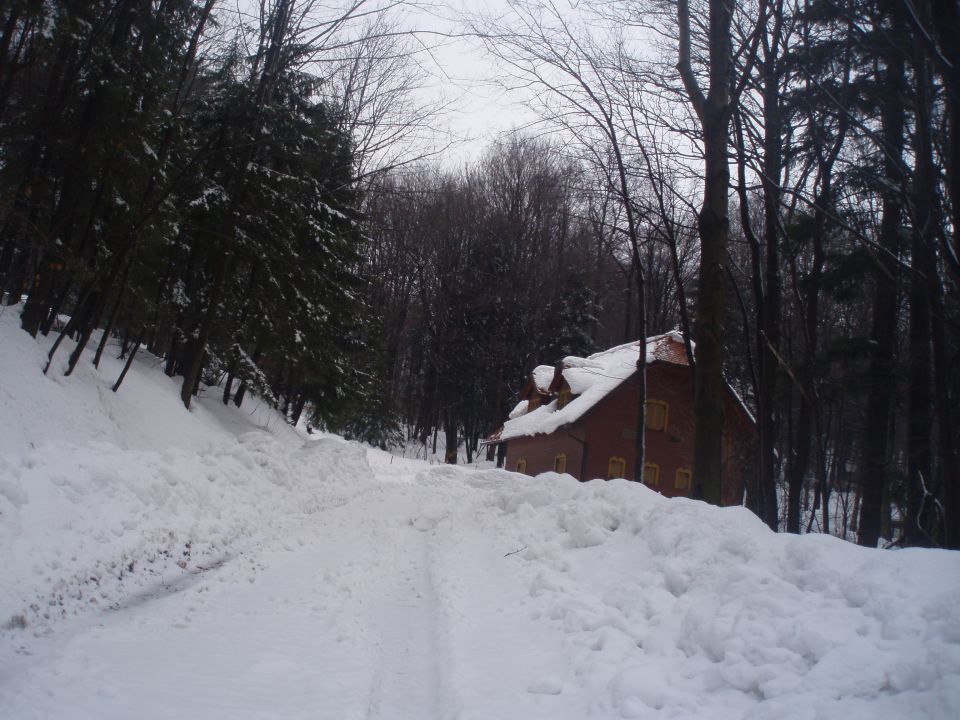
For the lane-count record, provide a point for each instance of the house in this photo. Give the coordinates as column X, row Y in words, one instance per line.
column 580, row 417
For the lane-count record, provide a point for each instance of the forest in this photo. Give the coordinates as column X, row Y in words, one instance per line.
column 254, row 194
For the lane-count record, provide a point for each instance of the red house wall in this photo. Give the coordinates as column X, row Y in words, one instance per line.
column 541, row 451
column 609, row 431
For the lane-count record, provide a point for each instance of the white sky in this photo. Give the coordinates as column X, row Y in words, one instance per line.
column 457, row 73
column 463, row 74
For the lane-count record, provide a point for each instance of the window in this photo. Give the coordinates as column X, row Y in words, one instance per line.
column 651, row 474
column 683, row 480
column 616, row 467
column 656, row 415
column 522, row 465
column 560, row 463
column 534, row 403
column 563, row 398
column 726, row 449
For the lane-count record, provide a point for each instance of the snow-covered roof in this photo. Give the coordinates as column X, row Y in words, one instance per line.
column 590, row 379
column 520, row 409
column 543, row 377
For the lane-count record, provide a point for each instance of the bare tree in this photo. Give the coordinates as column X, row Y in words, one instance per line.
column 543, row 47
column 713, row 109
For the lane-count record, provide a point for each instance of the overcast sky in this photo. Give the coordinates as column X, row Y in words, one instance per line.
column 462, row 73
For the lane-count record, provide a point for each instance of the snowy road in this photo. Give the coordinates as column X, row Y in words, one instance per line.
column 404, row 619
column 328, row 614
column 403, row 591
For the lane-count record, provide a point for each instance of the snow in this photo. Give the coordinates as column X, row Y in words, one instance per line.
column 216, row 563
column 543, row 377
column 520, row 409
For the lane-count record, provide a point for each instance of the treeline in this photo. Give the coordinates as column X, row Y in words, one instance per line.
column 846, row 243
column 189, row 180
column 483, row 273
column 812, row 147
column 195, row 180
column 179, row 182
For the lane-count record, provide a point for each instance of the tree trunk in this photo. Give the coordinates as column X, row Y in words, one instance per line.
column 242, row 390
column 946, row 405
column 945, row 21
column 713, row 226
column 108, row 328
column 877, row 442
column 450, row 437
column 133, row 353
column 768, row 423
column 198, row 348
column 919, row 526
column 298, row 405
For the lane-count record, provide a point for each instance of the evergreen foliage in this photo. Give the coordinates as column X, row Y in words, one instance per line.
column 200, row 201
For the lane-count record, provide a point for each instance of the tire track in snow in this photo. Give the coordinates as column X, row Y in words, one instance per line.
column 404, row 617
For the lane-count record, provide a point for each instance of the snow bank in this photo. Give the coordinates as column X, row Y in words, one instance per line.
column 102, row 493
column 87, row 525
column 672, row 608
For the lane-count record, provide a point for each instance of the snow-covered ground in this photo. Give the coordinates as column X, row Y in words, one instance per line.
column 159, row 563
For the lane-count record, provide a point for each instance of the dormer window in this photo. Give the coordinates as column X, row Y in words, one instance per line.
column 534, row 403
column 563, row 398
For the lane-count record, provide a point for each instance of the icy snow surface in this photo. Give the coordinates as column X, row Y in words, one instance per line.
column 159, row 563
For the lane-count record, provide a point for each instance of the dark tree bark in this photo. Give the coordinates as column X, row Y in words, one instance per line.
column 875, row 464
column 919, row 526
column 714, row 227
column 945, row 21
column 242, row 390
column 112, row 319
column 772, row 167
column 946, row 407
column 130, row 357
column 450, row 437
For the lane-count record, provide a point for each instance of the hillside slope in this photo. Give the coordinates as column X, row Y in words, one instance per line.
column 160, row 563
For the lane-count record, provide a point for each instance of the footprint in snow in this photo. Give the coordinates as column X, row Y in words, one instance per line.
column 547, row 685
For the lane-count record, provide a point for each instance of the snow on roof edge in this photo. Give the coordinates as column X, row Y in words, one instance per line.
column 592, row 379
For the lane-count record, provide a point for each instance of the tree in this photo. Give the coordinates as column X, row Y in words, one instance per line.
column 713, row 111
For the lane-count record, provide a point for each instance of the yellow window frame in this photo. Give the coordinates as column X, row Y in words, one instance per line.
column 666, row 412
column 683, row 479
column 522, row 465
column 560, row 463
column 656, row 474
column 616, row 462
